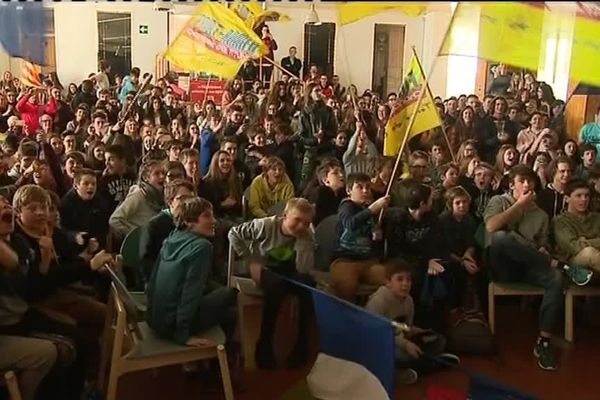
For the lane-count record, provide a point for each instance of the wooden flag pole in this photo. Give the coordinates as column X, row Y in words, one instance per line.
column 206, row 91
column 279, row 67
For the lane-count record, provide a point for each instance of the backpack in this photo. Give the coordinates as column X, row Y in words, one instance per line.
column 469, row 333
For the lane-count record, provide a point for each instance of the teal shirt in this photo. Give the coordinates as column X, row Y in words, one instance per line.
column 590, row 133
column 178, row 283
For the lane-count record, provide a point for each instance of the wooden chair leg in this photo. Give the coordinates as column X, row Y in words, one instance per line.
column 12, row 386
column 113, row 380
column 225, row 376
column 491, row 308
column 569, row 317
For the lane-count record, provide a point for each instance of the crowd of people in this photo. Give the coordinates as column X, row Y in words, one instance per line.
column 507, row 195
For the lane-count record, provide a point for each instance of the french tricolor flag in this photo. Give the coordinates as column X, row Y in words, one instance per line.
column 356, row 352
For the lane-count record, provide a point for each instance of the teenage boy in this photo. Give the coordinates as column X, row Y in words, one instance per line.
column 82, row 210
column 181, row 304
column 517, row 231
column 577, row 230
column 275, row 247
column 355, row 256
column 588, row 160
column 418, row 165
column 160, row 226
column 330, row 192
column 116, row 179
column 414, row 345
column 551, row 199
column 190, row 158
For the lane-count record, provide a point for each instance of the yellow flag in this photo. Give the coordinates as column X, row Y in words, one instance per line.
column 426, row 118
column 215, row 41
column 519, row 34
column 252, row 14
column 350, row 12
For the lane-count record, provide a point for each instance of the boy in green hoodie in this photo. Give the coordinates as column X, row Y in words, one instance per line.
column 577, row 230
column 180, row 303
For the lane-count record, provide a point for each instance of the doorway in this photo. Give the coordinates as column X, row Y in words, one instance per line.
column 388, row 58
column 114, row 41
column 319, row 46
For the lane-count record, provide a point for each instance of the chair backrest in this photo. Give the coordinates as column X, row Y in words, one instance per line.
column 125, row 303
column 130, row 248
column 325, row 242
column 245, row 203
column 277, row 209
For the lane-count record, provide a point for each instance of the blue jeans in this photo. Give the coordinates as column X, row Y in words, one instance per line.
column 217, row 307
column 513, row 261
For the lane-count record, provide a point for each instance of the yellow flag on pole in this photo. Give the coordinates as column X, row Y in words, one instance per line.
column 427, row 117
column 529, row 35
column 215, row 41
column 350, row 12
column 252, row 13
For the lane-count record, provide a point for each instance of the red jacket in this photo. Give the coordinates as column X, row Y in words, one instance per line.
column 30, row 113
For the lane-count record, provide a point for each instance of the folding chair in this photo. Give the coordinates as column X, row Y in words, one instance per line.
column 131, row 253
column 136, row 347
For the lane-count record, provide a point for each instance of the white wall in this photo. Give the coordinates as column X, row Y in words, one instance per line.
column 354, row 42
column 76, row 27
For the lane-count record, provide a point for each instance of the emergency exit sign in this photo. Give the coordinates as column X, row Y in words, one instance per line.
column 144, row 29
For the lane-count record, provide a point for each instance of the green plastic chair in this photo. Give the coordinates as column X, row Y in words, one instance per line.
column 132, row 258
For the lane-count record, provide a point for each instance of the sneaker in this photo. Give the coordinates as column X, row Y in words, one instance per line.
column 578, row 275
column 407, row 376
column 450, row 358
column 545, row 356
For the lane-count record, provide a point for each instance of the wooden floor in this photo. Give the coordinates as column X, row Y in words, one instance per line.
column 578, row 377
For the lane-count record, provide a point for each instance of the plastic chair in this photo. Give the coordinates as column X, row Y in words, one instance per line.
column 148, row 351
column 132, row 257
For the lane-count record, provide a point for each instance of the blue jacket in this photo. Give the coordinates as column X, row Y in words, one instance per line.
column 127, row 87
column 208, row 147
column 354, row 232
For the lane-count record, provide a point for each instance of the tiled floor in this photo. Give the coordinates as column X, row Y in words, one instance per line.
column 578, row 377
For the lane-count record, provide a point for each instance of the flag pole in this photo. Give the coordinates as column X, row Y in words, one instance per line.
column 413, row 116
column 206, row 90
column 436, row 111
column 279, row 67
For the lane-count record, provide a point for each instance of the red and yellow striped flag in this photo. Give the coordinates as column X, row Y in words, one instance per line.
column 30, row 75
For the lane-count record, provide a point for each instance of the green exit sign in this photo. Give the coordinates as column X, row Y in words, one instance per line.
column 144, row 29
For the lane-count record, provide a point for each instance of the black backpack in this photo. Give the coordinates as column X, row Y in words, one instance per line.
column 469, row 333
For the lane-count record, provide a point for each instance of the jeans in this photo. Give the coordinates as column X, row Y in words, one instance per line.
column 422, row 364
column 513, row 261
column 65, row 382
column 217, row 307
column 275, row 290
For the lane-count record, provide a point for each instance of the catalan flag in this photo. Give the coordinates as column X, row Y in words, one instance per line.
column 252, row 13
column 30, row 75
column 22, row 30
column 215, row 41
column 427, row 116
column 350, row 12
column 519, row 33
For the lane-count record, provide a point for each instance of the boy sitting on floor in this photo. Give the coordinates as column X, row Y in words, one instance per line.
column 415, row 346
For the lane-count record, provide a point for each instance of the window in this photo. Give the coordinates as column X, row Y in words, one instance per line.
column 49, row 43
column 114, row 41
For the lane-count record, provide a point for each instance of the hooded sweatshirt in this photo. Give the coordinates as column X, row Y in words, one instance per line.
column 354, row 232
column 573, row 233
column 262, row 197
column 141, row 204
column 178, row 284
